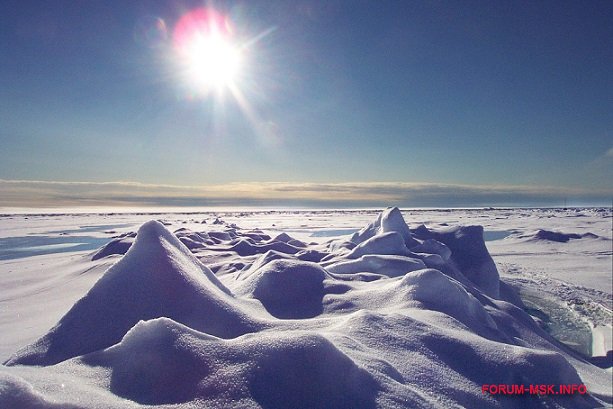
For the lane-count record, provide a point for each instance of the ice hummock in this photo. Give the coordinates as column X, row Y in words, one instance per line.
column 413, row 318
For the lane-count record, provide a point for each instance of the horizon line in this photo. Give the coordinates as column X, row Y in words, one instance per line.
column 342, row 195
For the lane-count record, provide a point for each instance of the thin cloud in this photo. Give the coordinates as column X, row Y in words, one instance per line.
column 29, row 193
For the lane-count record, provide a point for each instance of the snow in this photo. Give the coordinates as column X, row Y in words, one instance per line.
column 469, row 254
column 390, row 220
column 558, row 236
column 388, row 265
column 158, row 277
column 287, row 288
column 258, row 309
column 383, row 243
column 116, row 246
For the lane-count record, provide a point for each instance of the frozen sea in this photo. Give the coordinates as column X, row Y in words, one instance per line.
column 304, row 308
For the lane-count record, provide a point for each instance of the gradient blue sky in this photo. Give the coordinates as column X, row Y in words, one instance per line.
column 511, row 100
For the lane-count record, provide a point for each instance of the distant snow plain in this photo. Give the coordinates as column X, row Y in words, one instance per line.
column 304, row 308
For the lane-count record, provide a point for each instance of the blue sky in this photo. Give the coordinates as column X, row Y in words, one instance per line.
column 351, row 103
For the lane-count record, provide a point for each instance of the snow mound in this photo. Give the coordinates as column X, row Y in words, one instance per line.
column 260, row 262
column 17, row 393
column 308, row 371
column 441, row 293
column 155, row 362
column 431, row 246
column 163, row 362
column 387, row 265
column 311, row 255
column 287, row 288
column 158, row 277
column 282, row 237
column 510, row 365
column 383, row 243
column 468, row 253
column 256, row 235
column 244, row 248
column 193, row 240
column 560, row 237
column 115, row 246
column 219, row 236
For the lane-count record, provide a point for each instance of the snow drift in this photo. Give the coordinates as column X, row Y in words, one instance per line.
column 391, row 317
column 275, row 370
column 547, row 235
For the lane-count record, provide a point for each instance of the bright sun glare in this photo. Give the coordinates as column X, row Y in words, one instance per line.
column 212, row 61
column 204, row 41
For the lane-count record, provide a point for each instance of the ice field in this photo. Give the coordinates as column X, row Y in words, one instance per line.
column 304, row 308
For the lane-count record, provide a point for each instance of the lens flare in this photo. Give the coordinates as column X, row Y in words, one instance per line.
column 150, row 31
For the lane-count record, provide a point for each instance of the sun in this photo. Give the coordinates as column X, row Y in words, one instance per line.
column 212, row 61
column 204, row 41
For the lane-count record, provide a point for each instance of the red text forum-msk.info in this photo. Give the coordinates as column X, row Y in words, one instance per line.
column 538, row 389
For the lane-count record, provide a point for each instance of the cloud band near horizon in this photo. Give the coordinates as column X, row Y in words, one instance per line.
column 33, row 194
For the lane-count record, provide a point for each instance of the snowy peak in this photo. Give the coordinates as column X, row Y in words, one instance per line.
column 157, row 247
column 470, row 255
column 157, row 277
column 390, row 220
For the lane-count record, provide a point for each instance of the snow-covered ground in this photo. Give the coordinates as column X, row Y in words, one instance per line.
column 304, row 308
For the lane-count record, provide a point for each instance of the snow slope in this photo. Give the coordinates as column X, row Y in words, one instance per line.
column 388, row 317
